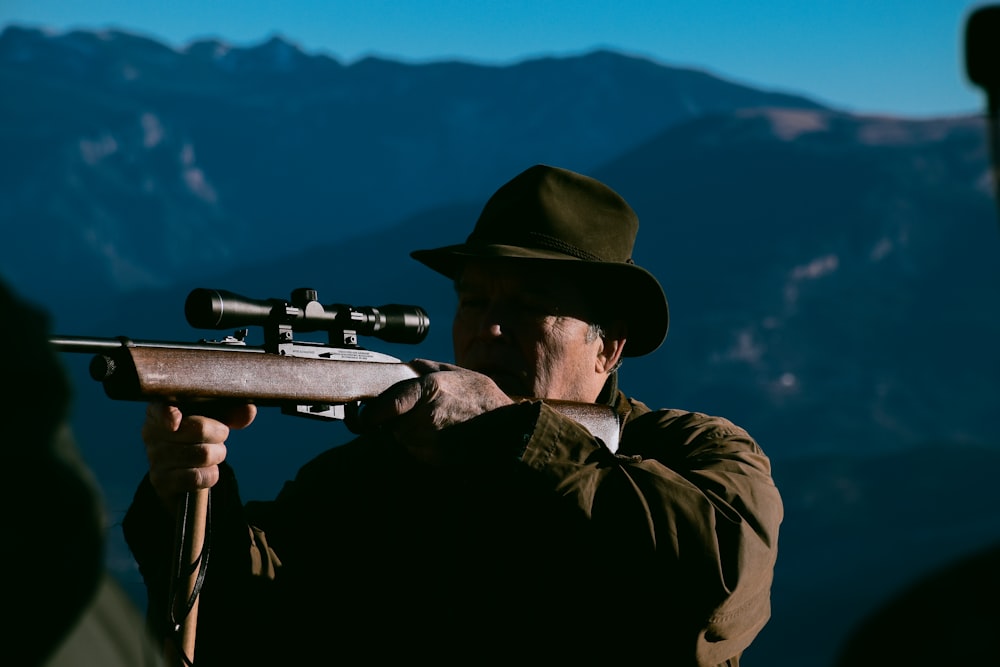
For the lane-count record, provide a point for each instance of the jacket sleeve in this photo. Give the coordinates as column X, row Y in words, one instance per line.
column 684, row 521
column 687, row 505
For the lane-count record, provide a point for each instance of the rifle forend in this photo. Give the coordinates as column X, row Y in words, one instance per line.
column 283, row 372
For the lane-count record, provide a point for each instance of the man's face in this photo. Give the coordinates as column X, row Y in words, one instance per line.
column 528, row 331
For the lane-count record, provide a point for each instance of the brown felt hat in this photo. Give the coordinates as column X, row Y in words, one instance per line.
column 574, row 224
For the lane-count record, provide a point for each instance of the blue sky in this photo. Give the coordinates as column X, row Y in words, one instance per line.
column 901, row 57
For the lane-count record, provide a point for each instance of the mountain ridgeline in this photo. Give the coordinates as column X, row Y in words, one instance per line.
column 833, row 277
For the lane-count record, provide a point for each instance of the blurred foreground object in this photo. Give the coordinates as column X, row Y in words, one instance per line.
column 948, row 617
column 69, row 611
column 982, row 66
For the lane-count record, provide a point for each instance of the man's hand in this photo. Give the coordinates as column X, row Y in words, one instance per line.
column 417, row 410
column 184, row 451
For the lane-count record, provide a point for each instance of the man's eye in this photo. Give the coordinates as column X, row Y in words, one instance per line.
column 537, row 311
column 471, row 302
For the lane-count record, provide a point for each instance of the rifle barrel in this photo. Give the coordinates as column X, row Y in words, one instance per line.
column 84, row 344
column 87, row 344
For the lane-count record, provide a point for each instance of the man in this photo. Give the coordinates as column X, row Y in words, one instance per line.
column 472, row 522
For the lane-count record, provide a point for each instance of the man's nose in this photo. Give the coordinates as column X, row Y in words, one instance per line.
column 496, row 320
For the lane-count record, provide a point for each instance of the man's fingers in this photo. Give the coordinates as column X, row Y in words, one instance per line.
column 171, row 481
column 390, row 404
column 425, row 366
column 162, row 419
column 163, row 415
column 177, row 465
column 191, row 455
column 237, row 415
column 234, row 414
column 185, row 448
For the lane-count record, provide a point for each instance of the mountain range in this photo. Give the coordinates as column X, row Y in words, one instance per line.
column 833, row 277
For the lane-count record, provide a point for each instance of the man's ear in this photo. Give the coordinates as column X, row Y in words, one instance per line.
column 613, row 342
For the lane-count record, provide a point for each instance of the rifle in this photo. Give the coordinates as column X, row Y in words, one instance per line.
column 320, row 380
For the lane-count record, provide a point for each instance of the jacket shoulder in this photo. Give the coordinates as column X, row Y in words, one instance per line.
column 681, row 429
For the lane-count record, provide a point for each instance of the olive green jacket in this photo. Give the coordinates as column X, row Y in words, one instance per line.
column 537, row 543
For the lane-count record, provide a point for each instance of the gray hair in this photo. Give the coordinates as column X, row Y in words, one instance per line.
column 595, row 331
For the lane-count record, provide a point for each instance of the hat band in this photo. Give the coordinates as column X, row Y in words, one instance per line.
column 541, row 242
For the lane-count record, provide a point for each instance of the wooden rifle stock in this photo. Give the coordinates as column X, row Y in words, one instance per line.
column 187, row 375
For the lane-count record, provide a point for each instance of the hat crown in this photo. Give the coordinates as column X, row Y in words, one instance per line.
column 553, row 209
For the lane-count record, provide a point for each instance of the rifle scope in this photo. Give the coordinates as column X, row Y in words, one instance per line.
column 219, row 309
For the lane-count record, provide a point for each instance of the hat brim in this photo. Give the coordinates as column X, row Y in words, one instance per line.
column 632, row 293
